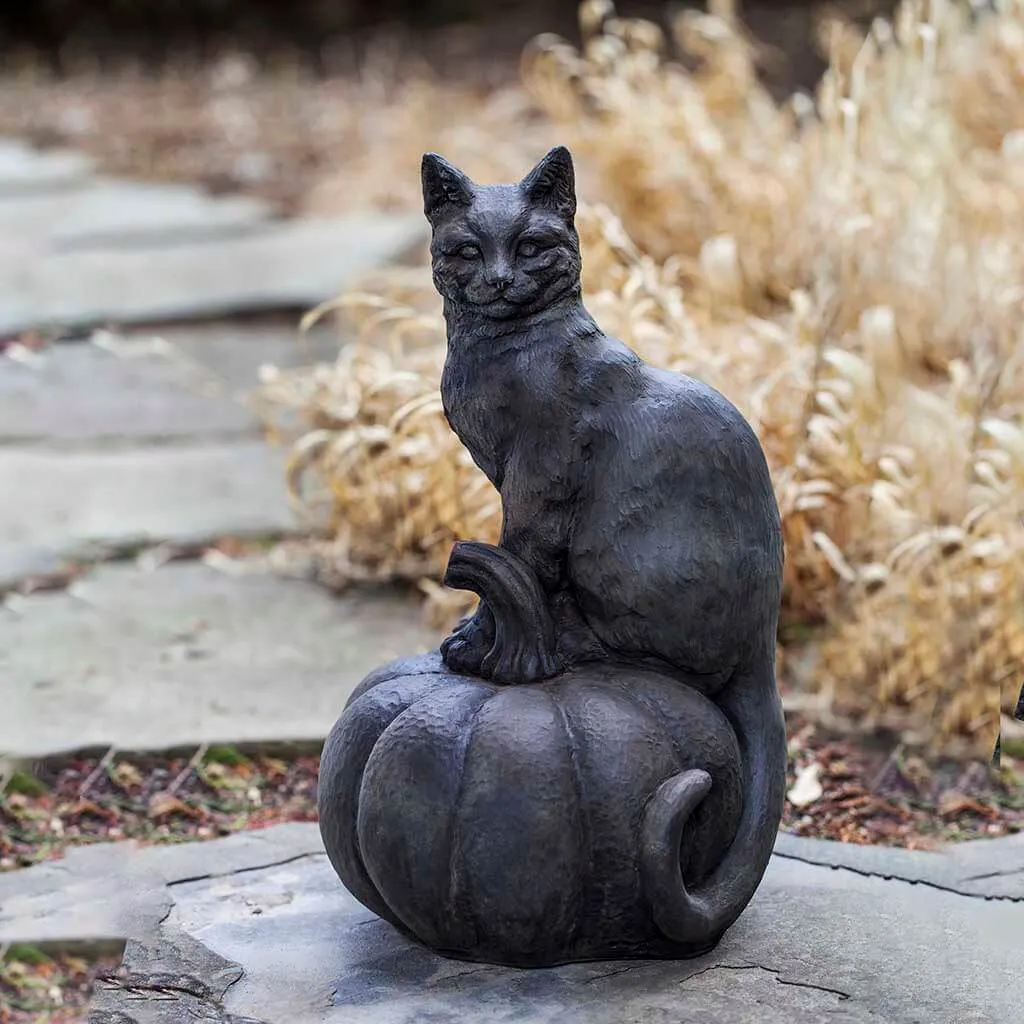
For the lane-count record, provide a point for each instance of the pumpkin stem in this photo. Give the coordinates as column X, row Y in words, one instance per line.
column 524, row 632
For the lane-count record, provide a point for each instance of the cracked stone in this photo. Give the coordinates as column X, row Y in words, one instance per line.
column 983, row 869
column 261, row 920
column 174, row 977
column 816, row 944
column 992, row 868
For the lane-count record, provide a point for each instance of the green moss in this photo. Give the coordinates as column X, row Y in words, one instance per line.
column 229, row 756
column 1012, row 747
column 25, row 954
column 25, row 784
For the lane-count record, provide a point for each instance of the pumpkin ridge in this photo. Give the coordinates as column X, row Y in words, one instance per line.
column 471, row 689
column 577, row 788
column 326, row 801
column 455, row 820
column 414, row 665
column 457, row 681
column 586, row 839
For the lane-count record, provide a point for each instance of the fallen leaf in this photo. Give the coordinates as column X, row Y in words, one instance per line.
column 16, row 803
column 83, row 808
column 163, row 805
column 807, row 788
column 214, row 772
column 274, row 768
column 953, row 803
column 126, row 775
column 840, row 770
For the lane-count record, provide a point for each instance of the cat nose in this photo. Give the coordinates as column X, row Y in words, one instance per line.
column 499, row 277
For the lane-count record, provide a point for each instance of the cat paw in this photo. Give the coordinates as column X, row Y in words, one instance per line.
column 464, row 656
column 465, row 650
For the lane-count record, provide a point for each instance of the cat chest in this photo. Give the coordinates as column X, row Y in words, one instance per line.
column 480, row 406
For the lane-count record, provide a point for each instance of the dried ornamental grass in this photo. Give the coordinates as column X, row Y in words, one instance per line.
column 847, row 271
column 873, row 194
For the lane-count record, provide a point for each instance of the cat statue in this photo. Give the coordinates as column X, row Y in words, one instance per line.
column 640, row 498
column 612, row 702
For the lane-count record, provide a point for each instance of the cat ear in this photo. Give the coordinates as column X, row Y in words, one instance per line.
column 443, row 185
column 553, row 183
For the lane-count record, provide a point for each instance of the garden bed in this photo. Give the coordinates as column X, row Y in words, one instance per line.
column 870, row 793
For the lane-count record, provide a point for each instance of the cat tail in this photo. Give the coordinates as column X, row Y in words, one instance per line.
column 697, row 919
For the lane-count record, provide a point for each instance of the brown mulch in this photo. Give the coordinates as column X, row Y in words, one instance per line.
column 151, row 799
column 55, row 989
column 868, row 796
column 876, row 793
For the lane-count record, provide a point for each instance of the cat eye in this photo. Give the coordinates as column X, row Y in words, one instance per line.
column 528, row 249
column 468, row 252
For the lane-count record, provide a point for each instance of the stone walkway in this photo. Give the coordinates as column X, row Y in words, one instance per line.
column 116, row 442
column 256, row 927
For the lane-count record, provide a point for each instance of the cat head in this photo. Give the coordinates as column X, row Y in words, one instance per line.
column 503, row 251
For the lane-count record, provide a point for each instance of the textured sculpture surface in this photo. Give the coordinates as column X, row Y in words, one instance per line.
column 593, row 764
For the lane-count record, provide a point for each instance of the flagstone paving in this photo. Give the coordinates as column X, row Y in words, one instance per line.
column 105, row 211
column 24, row 170
column 143, row 434
column 149, row 385
column 257, row 927
column 150, row 659
column 284, row 265
column 80, row 251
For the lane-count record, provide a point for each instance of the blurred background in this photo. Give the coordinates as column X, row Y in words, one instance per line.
column 817, row 208
column 184, row 90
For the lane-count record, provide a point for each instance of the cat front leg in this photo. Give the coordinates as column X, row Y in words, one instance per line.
column 534, row 531
column 536, row 512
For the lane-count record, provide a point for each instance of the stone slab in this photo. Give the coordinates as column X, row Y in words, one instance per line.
column 816, row 944
column 19, row 563
column 24, row 170
column 194, row 386
column 184, row 654
column 81, row 503
column 47, row 883
column 986, row 868
column 108, row 212
column 994, row 868
column 87, row 912
column 285, row 265
column 40, row 892
column 234, row 353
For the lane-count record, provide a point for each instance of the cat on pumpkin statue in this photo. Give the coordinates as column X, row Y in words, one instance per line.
column 640, row 499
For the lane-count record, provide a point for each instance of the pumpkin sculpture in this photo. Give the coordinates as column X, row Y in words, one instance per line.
column 428, row 772
column 593, row 764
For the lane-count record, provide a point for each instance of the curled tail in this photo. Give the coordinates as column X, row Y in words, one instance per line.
column 699, row 918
